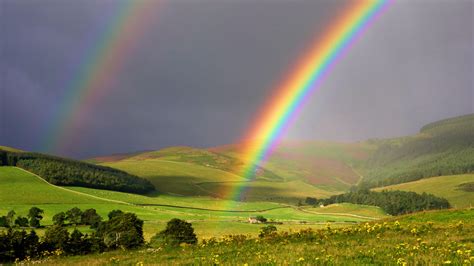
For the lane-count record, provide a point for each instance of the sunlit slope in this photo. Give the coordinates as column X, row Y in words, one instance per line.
column 20, row 187
column 448, row 187
column 441, row 148
column 295, row 170
column 10, row 149
column 331, row 166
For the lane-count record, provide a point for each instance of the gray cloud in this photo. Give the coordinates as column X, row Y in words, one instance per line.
column 203, row 69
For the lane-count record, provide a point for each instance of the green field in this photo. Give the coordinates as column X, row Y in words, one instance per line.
column 442, row 186
column 212, row 217
column 407, row 240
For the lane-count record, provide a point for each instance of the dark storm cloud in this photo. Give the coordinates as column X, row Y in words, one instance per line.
column 203, row 69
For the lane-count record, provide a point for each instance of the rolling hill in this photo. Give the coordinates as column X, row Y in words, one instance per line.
column 295, row 171
column 442, row 148
column 298, row 169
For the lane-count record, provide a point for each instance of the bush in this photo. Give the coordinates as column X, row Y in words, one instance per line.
column 177, row 231
column 56, row 237
column 122, row 231
column 261, row 219
column 267, row 231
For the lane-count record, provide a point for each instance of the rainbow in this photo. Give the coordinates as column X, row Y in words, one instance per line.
column 306, row 78
column 98, row 71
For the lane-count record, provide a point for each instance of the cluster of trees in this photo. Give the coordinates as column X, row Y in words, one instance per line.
column 392, row 202
column 76, row 216
column 122, row 230
column 444, row 148
column 35, row 215
column 66, row 172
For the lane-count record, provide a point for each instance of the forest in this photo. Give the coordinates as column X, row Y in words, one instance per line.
column 65, row 172
column 392, row 202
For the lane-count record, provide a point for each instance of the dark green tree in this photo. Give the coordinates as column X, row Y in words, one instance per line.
column 56, row 237
column 11, row 218
column 59, row 218
column 124, row 231
column 74, row 216
column 114, row 213
column 35, row 215
column 177, row 231
column 21, row 221
column 90, row 217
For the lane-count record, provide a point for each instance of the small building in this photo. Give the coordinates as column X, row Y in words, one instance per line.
column 253, row 220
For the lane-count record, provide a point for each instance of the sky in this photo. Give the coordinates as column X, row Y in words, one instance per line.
column 202, row 70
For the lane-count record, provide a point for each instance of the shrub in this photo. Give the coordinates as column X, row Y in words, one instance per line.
column 267, row 231
column 177, row 231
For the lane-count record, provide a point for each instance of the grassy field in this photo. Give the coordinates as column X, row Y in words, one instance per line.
column 295, row 171
column 432, row 238
column 189, row 179
column 212, row 217
column 442, row 186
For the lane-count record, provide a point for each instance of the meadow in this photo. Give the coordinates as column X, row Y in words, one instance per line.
column 212, row 217
column 433, row 238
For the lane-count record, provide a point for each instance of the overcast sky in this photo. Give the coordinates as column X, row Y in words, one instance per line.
column 203, row 69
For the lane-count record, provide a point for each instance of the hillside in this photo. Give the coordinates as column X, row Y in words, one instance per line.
column 60, row 171
column 296, row 170
column 448, row 187
column 331, row 166
column 441, row 148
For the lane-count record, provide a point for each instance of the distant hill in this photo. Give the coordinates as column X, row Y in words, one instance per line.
column 442, row 148
column 66, row 172
column 327, row 165
column 297, row 169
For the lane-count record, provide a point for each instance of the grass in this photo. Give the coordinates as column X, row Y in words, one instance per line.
column 442, row 186
column 212, row 217
column 410, row 240
column 189, row 179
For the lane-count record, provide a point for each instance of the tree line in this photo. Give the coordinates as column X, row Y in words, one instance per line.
column 122, row 230
column 65, row 172
column 392, row 202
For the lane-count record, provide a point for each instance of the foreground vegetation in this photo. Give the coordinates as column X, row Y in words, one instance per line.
column 433, row 238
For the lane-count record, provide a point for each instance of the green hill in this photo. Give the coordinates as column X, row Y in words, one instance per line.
column 60, row 171
column 448, row 187
column 331, row 166
column 295, row 171
column 441, row 148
